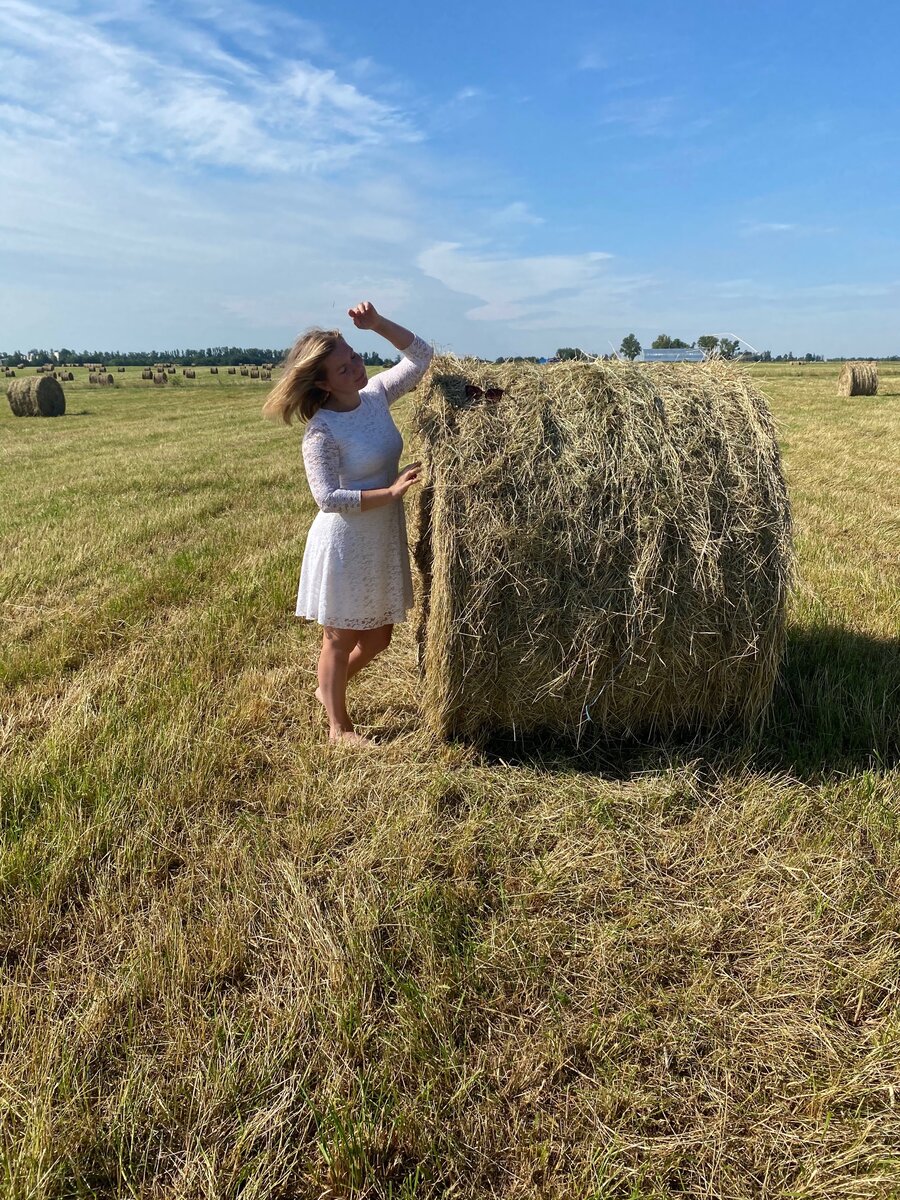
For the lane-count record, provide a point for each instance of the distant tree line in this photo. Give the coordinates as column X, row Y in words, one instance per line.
column 211, row 356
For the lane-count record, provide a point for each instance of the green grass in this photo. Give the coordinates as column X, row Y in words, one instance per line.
column 238, row 964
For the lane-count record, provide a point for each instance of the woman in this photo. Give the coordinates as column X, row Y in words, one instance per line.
column 355, row 579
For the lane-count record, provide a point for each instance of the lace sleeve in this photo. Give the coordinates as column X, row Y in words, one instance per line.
column 321, row 458
column 402, row 378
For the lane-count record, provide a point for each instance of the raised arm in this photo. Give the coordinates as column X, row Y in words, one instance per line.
column 321, row 458
column 402, row 378
column 417, row 354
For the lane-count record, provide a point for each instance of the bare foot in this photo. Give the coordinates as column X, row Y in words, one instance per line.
column 319, row 697
column 350, row 738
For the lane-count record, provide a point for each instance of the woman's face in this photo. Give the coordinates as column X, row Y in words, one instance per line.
column 345, row 372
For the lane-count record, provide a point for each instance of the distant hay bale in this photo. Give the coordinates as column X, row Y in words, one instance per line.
column 254, row 372
column 160, row 377
column 603, row 550
column 232, row 370
column 266, row 374
column 213, row 370
column 245, row 370
column 858, row 379
column 189, row 373
column 120, row 370
column 10, row 374
column 36, row 396
column 146, row 373
column 170, row 370
column 93, row 377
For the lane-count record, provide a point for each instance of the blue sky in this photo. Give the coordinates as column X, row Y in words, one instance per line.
column 503, row 178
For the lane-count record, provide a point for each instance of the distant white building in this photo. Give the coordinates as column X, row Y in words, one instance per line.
column 672, row 356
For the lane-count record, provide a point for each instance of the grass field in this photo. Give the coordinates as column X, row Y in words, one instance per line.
column 238, row 964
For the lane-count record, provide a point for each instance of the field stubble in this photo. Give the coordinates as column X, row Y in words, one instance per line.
column 236, row 963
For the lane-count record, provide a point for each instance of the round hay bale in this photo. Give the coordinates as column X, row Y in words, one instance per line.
column 160, row 377
column 604, row 550
column 190, row 373
column 232, row 370
column 36, row 397
column 254, row 372
column 170, row 370
column 213, row 370
column 245, row 370
column 10, row 374
column 266, row 374
column 146, row 373
column 858, row 379
column 121, row 370
column 93, row 377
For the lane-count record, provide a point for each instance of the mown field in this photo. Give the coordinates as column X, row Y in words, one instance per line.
column 236, row 963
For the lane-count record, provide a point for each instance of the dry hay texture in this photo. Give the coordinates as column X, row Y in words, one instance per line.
column 603, row 551
column 146, row 374
column 858, row 379
column 36, row 396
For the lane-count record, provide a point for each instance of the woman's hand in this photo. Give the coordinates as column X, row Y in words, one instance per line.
column 404, row 481
column 364, row 315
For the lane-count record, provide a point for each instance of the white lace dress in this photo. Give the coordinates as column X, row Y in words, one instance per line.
column 355, row 572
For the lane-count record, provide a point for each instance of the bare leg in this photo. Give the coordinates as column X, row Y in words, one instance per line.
column 337, row 645
column 370, row 643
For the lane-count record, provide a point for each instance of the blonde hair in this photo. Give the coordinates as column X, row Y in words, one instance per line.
column 297, row 392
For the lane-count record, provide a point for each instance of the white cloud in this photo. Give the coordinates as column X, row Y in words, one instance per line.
column 533, row 291
column 184, row 97
column 517, row 213
column 642, row 116
column 756, row 228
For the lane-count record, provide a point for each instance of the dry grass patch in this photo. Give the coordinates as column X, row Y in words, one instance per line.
column 235, row 963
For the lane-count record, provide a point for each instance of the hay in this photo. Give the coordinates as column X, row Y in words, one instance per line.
column 36, row 396
column 603, row 550
column 265, row 374
column 93, row 377
column 170, row 370
column 254, row 372
column 146, row 373
column 189, row 373
column 232, row 370
column 245, row 370
column 858, row 379
column 121, row 370
column 213, row 370
column 160, row 377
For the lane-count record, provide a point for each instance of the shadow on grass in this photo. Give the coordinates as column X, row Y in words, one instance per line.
column 837, row 705
column 836, row 710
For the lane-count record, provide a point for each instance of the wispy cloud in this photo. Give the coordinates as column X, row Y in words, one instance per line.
column 547, row 289
column 761, row 228
column 641, row 115
column 189, row 99
column 592, row 60
column 517, row 213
